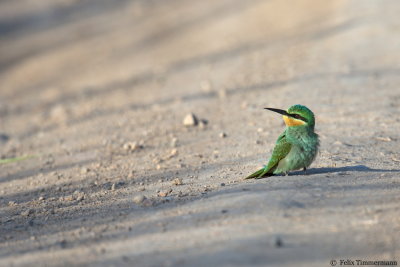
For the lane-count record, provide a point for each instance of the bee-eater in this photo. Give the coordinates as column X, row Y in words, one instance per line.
column 296, row 147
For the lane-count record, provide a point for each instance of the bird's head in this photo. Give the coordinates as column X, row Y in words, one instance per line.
column 297, row 115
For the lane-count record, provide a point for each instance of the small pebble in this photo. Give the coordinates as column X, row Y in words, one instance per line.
column 177, row 181
column 139, row 199
column 174, row 142
column 157, row 160
column 190, row 120
column 384, row 139
column 174, row 152
column 203, row 123
column 85, row 170
column 222, row 135
column 164, row 193
column 77, row 195
column 26, row 213
column 80, row 197
column 395, row 159
column 132, row 146
column 67, row 198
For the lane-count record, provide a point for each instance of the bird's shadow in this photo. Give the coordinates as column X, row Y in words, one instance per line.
column 357, row 168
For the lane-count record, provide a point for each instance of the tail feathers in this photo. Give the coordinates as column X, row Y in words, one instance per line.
column 259, row 174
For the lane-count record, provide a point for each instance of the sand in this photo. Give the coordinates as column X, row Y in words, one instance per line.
column 97, row 92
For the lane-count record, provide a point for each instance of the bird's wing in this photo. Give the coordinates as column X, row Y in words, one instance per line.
column 282, row 148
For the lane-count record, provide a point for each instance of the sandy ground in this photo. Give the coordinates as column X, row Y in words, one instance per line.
column 97, row 91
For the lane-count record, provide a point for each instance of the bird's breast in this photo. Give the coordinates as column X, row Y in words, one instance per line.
column 303, row 152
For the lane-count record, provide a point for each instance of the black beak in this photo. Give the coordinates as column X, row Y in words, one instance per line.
column 280, row 111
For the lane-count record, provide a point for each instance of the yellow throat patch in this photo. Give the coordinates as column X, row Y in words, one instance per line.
column 289, row 121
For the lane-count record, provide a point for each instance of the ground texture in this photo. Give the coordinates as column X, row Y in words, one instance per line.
column 97, row 91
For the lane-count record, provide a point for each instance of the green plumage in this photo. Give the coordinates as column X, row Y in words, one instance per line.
column 296, row 148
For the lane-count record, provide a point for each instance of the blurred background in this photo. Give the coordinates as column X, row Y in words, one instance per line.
column 75, row 61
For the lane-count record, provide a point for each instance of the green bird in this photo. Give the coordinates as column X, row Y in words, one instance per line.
column 297, row 147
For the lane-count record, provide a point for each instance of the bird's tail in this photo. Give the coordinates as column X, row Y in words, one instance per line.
column 259, row 174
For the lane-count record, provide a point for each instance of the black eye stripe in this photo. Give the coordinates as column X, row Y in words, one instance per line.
column 299, row 117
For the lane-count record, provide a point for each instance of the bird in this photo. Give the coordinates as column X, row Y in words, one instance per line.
column 296, row 148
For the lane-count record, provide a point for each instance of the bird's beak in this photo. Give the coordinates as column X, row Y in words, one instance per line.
column 280, row 111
